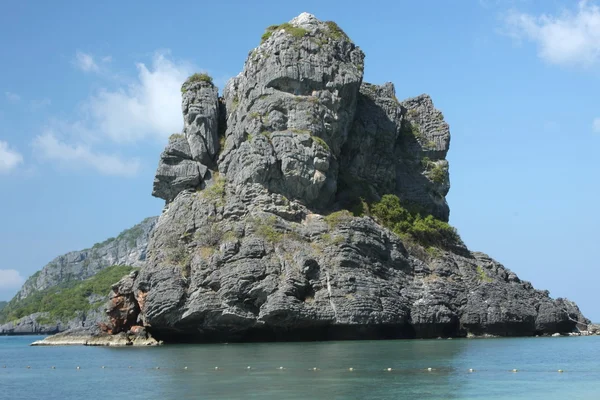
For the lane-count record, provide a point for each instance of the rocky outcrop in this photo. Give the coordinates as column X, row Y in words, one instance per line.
column 128, row 248
column 257, row 245
column 94, row 337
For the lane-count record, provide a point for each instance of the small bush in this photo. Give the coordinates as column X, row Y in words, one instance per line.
column 482, row 275
column 428, row 231
column 210, row 235
column 438, row 174
column 265, row 229
column 295, row 31
column 216, row 191
column 197, row 78
column 335, row 32
column 337, row 218
column 176, row 136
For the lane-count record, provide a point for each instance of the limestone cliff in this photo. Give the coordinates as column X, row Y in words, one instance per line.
column 22, row 314
column 254, row 244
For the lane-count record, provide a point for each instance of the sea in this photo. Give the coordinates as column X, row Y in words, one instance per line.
column 503, row 368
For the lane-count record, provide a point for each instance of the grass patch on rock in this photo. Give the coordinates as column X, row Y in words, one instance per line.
column 290, row 29
column 197, row 77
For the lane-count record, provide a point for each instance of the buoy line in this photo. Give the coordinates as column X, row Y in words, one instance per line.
column 449, row 370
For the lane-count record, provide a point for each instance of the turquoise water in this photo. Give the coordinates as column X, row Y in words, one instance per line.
column 537, row 361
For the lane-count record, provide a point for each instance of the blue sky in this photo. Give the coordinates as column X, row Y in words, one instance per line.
column 89, row 93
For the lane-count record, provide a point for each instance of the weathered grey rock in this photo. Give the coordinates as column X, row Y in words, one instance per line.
column 200, row 106
column 252, row 254
column 263, row 277
column 185, row 161
column 397, row 148
column 289, row 111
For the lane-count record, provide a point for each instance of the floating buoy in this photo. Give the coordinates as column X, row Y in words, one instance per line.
column 471, row 370
column 28, row 367
column 130, row 367
column 429, row 369
column 560, row 370
column 315, row 369
column 389, row 369
column 515, row 370
column 350, row 369
column 216, row 368
column 53, row 367
column 184, row 367
column 78, row 367
column 103, row 367
column 248, row 367
column 157, row 367
column 281, row 368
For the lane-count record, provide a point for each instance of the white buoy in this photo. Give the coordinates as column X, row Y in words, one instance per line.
column 184, row 367
column 389, row 369
column 429, row 369
column 103, row 367
column 130, row 367
column 471, row 370
column 28, row 367
column 281, row 368
column 315, row 369
column 53, row 367
column 78, row 367
column 248, row 367
column 350, row 369
column 216, row 368
column 515, row 370
column 560, row 370
column 157, row 367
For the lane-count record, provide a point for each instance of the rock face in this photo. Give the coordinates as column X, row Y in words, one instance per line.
column 249, row 246
column 128, row 248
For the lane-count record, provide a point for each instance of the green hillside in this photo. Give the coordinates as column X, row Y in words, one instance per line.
column 2, row 304
column 64, row 301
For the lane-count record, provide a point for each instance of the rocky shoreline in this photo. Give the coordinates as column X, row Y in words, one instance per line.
column 137, row 337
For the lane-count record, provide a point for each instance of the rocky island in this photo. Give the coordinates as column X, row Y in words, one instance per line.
column 306, row 204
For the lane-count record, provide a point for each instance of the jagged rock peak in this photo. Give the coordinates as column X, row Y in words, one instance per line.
column 263, row 251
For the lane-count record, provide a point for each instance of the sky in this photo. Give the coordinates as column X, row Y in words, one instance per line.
column 89, row 94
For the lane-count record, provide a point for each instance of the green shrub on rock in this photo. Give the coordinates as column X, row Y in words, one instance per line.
column 428, row 230
column 203, row 77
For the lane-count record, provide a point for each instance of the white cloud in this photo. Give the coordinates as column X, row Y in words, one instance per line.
column 9, row 159
column 144, row 109
column 570, row 38
column 85, row 62
column 12, row 97
column 77, row 155
column 148, row 107
column 10, row 278
column 106, row 59
column 596, row 125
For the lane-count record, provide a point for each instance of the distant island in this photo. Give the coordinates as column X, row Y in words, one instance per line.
column 306, row 204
